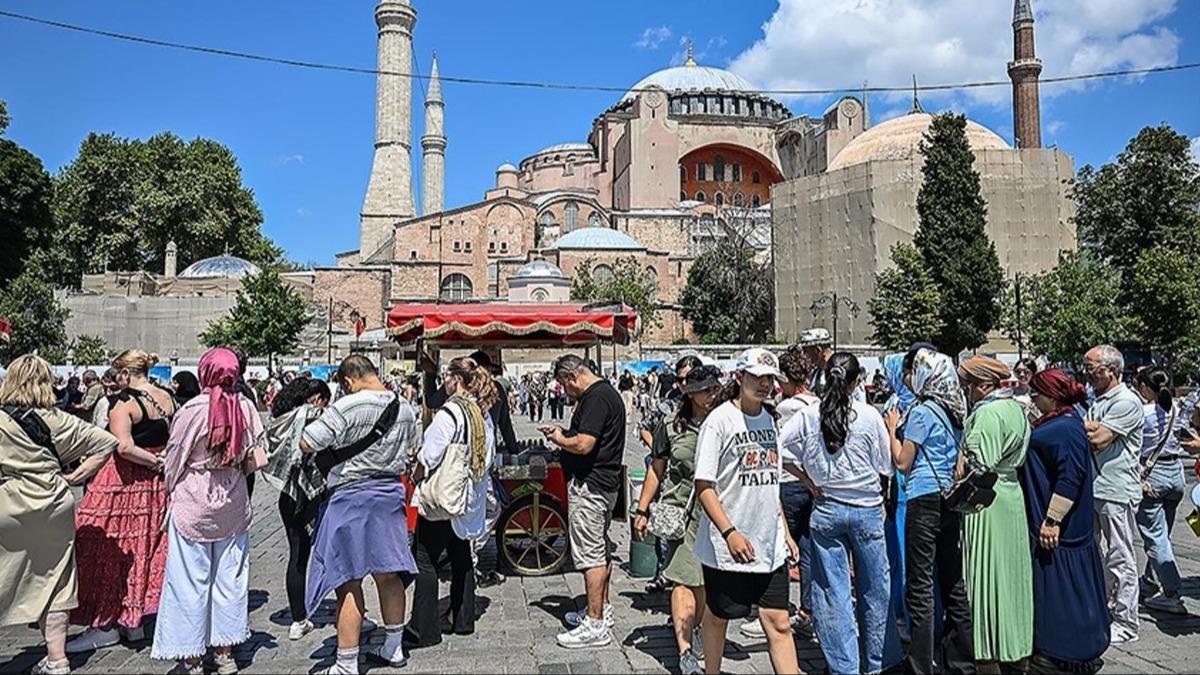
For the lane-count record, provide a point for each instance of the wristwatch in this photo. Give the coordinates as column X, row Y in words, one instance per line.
column 1052, row 522
column 641, row 512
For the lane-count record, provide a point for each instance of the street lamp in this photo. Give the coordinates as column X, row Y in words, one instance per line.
column 835, row 302
column 174, row 358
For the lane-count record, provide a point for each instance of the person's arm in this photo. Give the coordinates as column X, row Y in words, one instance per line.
column 1070, row 473
column 649, row 490
column 438, row 437
column 75, row 439
column 503, row 423
column 579, row 444
column 120, row 423
column 324, row 432
column 791, row 440
column 1100, row 436
column 739, row 546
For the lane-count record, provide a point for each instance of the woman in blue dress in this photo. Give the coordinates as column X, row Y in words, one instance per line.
column 1071, row 621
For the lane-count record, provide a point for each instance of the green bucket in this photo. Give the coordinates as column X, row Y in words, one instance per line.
column 643, row 559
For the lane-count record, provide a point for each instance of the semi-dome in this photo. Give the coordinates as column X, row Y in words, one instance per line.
column 691, row 78
column 566, row 147
column 604, row 238
column 900, row 138
column 228, row 266
column 539, row 269
column 506, row 168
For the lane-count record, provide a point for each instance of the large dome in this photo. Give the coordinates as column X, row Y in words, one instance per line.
column 604, row 238
column 900, row 138
column 220, row 266
column 691, row 78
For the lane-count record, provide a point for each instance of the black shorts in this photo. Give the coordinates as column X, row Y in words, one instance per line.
column 731, row 595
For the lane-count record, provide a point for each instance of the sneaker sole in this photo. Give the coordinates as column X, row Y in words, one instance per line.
column 589, row 645
column 92, row 648
column 380, row 659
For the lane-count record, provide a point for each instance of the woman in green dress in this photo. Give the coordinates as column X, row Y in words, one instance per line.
column 996, row 559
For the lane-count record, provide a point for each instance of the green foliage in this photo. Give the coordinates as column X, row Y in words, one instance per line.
column 1164, row 296
column 91, row 350
column 730, row 296
column 121, row 200
column 906, row 303
column 36, row 317
column 952, row 238
column 26, row 221
column 630, row 285
column 1069, row 309
column 5, row 120
column 267, row 319
column 1150, row 196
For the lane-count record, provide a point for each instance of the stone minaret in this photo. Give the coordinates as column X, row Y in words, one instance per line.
column 1024, row 70
column 170, row 260
column 433, row 146
column 389, row 191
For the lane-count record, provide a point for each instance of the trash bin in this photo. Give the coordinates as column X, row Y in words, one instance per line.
column 643, row 556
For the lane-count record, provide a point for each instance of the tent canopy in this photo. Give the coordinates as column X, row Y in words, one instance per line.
column 511, row 324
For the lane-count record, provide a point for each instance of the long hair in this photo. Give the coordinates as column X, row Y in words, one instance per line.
column 477, row 380
column 29, row 383
column 687, row 409
column 295, row 393
column 1157, row 380
column 837, row 401
column 135, row 360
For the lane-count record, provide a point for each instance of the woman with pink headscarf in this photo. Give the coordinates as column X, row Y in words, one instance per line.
column 205, row 592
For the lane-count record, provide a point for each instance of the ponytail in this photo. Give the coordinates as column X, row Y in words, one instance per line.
column 1157, row 380
column 837, row 401
column 476, row 380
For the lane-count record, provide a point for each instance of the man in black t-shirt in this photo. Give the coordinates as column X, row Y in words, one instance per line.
column 593, row 451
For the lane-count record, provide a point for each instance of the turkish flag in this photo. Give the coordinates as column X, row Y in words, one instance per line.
column 360, row 325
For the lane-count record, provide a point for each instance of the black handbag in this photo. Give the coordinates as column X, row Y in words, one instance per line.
column 973, row 492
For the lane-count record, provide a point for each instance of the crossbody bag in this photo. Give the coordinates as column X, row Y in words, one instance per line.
column 328, row 459
column 974, row 491
column 669, row 521
column 1152, row 459
column 35, row 428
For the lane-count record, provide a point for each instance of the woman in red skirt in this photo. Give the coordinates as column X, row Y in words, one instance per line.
column 120, row 544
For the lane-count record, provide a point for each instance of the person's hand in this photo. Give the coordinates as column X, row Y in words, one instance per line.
column 893, row 420
column 959, row 467
column 812, row 487
column 793, row 551
column 555, row 435
column 740, row 547
column 426, row 363
column 1048, row 536
column 1192, row 446
column 640, row 523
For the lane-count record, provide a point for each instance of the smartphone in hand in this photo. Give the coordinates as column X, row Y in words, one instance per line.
column 546, row 429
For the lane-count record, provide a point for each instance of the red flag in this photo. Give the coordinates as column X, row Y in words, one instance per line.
column 360, row 325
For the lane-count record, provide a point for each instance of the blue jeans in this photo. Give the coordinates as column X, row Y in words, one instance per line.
column 797, row 511
column 840, row 532
column 1155, row 518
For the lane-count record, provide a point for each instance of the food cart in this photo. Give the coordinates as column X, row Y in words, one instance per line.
column 531, row 532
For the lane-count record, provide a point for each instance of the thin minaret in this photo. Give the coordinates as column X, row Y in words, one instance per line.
column 1024, row 70
column 433, row 147
column 389, row 191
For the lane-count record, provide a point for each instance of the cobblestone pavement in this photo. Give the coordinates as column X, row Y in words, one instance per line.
column 520, row 617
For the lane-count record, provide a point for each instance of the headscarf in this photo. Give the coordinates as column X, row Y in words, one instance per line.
column 893, row 371
column 1059, row 386
column 226, row 426
column 934, row 379
column 984, row 369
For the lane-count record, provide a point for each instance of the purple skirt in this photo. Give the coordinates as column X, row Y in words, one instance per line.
column 362, row 529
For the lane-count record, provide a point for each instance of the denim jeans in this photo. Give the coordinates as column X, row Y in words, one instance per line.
column 797, row 511
column 1155, row 518
column 933, row 552
column 841, row 532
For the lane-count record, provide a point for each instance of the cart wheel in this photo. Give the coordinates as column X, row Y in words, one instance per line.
column 531, row 535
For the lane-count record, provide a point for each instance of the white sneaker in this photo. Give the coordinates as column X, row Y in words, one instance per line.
column 1122, row 636
column 689, row 664
column 398, row 659
column 1162, row 603
column 575, row 618
column 367, row 626
column 588, row 635
column 92, row 639
column 698, row 642
column 48, row 667
column 753, row 629
column 226, row 664
column 299, row 629
column 337, row 669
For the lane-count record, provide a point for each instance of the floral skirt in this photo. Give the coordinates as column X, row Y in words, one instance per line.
column 120, row 544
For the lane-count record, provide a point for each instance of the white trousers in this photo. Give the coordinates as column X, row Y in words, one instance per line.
column 205, row 596
column 1115, row 525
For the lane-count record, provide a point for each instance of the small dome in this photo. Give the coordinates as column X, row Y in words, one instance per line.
column 539, row 269
column 604, row 238
column 691, row 78
column 566, row 147
column 900, row 138
column 506, row 168
column 220, row 266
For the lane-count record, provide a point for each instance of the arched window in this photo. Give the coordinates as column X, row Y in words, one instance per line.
column 737, row 172
column 682, row 173
column 456, row 287
column 719, row 198
column 738, row 199
column 682, row 197
column 756, row 202
column 755, row 178
column 650, row 277
column 540, row 295
column 570, row 216
column 595, row 220
column 546, row 219
column 602, row 275
column 700, row 196
column 718, row 167
column 701, row 173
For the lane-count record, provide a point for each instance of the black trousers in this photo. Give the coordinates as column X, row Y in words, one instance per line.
column 536, row 409
column 431, row 539
column 931, row 540
column 295, row 525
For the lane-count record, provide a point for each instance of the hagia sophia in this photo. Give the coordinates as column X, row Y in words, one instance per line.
column 685, row 156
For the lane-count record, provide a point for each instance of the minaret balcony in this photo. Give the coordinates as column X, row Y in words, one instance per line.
column 1025, row 66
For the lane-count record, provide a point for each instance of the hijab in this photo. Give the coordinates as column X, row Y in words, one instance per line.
column 935, row 379
column 226, row 426
column 1059, row 386
column 893, row 372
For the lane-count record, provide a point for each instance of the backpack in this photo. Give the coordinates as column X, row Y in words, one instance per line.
column 446, row 491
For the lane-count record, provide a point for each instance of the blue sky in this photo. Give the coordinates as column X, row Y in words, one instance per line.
column 303, row 138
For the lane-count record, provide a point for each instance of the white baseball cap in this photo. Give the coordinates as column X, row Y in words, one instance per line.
column 815, row 336
column 758, row 362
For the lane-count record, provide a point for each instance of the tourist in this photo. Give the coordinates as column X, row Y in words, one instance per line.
column 997, row 569
column 593, row 452
column 362, row 527
column 93, row 391
column 627, row 386
column 1025, row 369
column 558, row 400
column 120, row 535
column 37, row 506
column 840, row 447
column 675, row 448
column 185, row 386
column 300, row 484
column 207, row 583
column 112, row 391
column 461, row 420
column 523, row 394
column 924, row 446
column 817, row 346
column 537, row 397
column 1070, row 612
column 741, row 543
column 1114, row 425
column 1162, row 490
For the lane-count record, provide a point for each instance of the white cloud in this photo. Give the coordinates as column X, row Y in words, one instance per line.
column 303, row 212
column 283, row 160
column 820, row 44
column 651, row 38
column 1055, row 126
column 700, row 52
column 1196, row 149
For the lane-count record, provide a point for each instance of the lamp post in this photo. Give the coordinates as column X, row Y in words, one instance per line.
column 835, row 302
column 174, row 357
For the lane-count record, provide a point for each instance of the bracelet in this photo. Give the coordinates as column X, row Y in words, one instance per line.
column 726, row 533
column 641, row 512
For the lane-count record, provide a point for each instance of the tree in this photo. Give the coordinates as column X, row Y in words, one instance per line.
column 1069, row 309
column 5, row 120
column 730, row 296
column 629, row 285
column 26, row 223
column 266, row 319
column 91, row 350
column 1164, row 296
column 906, row 306
column 121, row 201
column 952, row 239
column 36, row 317
column 1149, row 196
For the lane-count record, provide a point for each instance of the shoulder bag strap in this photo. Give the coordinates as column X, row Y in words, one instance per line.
column 1164, row 436
column 937, row 411
column 35, row 428
column 387, row 419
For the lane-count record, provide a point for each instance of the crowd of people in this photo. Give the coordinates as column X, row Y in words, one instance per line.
column 980, row 519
